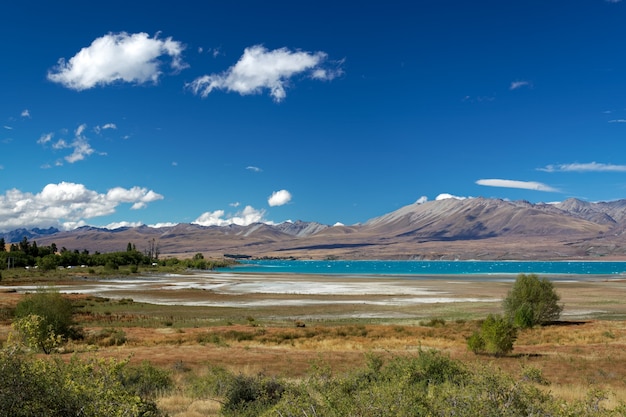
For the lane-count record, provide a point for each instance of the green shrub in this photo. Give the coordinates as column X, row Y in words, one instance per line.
column 212, row 385
column 435, row 322
column 43, row 317
column 251, row 395
column 476, row 343
column 428, row 384
column 51, row 387
column 496, row 336
column 108, row 337
column 146, row 380
column 532, row 301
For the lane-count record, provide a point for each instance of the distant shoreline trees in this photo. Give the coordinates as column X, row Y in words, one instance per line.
column 46, row 258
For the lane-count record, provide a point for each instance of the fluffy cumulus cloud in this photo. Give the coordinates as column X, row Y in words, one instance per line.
column 525, row 185
column 245, row 217
column 260, row 69
column 66, row 205
column 584, row 167
column 115, row 57
column 279, row 198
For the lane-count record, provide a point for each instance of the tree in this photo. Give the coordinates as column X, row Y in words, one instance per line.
column 48, row 262
column 24, row 245
column 496, row 337
column 532, row 301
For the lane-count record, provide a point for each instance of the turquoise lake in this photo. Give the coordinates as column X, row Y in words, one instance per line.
column 417, row 268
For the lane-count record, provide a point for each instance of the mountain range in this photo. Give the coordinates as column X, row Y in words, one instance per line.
column 473, row 228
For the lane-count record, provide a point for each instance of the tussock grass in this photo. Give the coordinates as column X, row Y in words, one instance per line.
column 178, row 405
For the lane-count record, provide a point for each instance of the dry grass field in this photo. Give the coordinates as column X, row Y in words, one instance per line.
column 284, row 333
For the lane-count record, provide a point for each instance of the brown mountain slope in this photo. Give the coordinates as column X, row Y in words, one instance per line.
column 476, row 228
column 479, row 218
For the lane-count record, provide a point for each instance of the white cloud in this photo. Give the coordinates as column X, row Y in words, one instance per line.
column 245, row 217
column 99, row 129
column 66, row 205
column 45, row 138
column 446, row 196
column 139, row 197
column 259, row 69
column 119, row 225
column 254, row 169
column 25, row 113
column 525, row 185
column 586, row 167
column 617, row 121
column 132, row 58
column 82, row 149
column 279, row 198
column 7, row 127
column 160, row 225
column 519, row 84
column 422, row 200
column 79, row 145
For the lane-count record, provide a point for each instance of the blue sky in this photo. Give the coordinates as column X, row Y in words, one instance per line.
column 128, row 113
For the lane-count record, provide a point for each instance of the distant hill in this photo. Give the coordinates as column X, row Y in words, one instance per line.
column 18, row 235
column 477, row 228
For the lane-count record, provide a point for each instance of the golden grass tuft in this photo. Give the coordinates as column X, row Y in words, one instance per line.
column 177, row 405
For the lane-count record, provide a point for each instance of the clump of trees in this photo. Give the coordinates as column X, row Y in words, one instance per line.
column 48, row 258
column 530, row 302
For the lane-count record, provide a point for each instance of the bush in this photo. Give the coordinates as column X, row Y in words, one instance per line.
column 429, row 384
column 476, row 343
column 32, row 332
column 108, row 337
column 146, row 380
column 243, row 395
column 496, row 337
column 44, row 316
column 34, row 387
column 532, row 301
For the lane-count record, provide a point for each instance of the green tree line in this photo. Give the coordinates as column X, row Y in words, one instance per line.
column 29, row 254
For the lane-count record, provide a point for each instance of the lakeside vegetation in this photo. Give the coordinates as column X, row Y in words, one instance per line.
column 28, row 255
column 120, row 357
